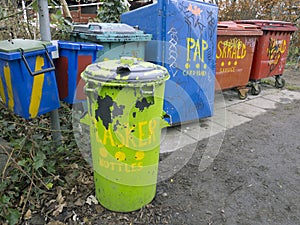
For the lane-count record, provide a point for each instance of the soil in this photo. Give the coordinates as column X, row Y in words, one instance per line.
column 255, row 179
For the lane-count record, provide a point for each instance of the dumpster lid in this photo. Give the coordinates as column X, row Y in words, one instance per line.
column 109, row 32
column 101, row 28
column 126, row 71
column 232, row 28
column 14, row 45
column 78, row 45
column 271, row 25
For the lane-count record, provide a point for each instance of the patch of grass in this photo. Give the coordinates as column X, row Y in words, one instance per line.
column 292, row 87
column 267, row 82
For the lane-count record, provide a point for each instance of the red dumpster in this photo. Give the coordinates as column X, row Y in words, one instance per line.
column 235, row 50
column 271, row 52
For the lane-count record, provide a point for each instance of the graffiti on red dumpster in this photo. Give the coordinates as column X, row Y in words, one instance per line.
column 275, row 51
column 232, row 50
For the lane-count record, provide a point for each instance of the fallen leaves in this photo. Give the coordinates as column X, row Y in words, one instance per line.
column 60, row 202
column 28, row 215
column 91, row 199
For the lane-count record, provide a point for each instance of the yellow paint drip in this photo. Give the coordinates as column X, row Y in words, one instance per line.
column 37, row 88
column 2, row 94
column 10, row 93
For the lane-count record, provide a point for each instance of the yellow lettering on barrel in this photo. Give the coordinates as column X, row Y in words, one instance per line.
column 129, row 136
column 37, row 88
column 108, row 135
column 10, row 94
column 120, row 140
column 136, row 167
column 141, row 134
column 152, row 127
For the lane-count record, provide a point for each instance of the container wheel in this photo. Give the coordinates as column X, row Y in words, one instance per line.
column 279, row 82
column 255, row 89
column 243, row 93
column 242, row 96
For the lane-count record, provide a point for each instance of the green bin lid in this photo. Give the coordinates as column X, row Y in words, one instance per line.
column 14, row 45
column 125, row 72
column 100, row 28
column 109, row 32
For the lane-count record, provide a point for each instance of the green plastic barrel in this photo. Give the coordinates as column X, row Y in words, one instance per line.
column 125, row 105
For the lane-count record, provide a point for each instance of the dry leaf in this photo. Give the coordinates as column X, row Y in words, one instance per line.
column 60, row 199
column 74, row 190
column 28, row 215
column 79, row 202
column 85, row 179
column 91, row 199
column 74, row 166
column 59, row 209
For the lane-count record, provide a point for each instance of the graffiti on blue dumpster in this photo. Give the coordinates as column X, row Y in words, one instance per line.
column 198, row 50
column 173, row 51
column 192, row 14
column 211, row 33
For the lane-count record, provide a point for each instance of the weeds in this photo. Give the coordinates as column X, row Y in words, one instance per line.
column 33, row 168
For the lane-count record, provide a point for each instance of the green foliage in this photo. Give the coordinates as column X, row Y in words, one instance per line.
column 62, row 26
column 33, row 166
column 111, row 10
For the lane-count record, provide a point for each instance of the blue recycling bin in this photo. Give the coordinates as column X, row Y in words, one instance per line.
column 27, row 79
column 74, row 57
column 184, row 41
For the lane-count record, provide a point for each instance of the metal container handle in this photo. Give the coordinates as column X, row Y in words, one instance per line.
column 147, row 92
column 39, row 71
column 88, row 90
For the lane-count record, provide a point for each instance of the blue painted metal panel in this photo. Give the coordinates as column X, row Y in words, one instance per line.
column 185, row 36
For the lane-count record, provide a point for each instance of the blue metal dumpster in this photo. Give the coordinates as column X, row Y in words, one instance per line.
column 27, row 80
column 184, row 41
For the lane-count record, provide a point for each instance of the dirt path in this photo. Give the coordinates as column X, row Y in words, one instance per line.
column 255, row 179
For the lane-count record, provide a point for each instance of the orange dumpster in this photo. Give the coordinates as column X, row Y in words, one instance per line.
column 235, row 51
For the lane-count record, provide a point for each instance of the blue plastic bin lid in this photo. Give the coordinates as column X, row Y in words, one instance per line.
column 78, row 46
